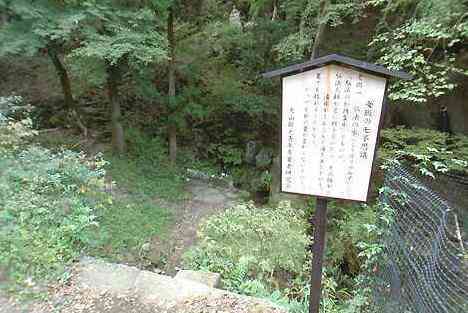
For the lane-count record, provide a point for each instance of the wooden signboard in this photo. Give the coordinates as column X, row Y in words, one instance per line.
column 330, row 123
column 332, row 111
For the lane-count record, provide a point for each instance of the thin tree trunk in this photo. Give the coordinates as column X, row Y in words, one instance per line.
column 113, row 79
column 172, row 128
column 70, row 103
column 322, row 25
column 274, row 15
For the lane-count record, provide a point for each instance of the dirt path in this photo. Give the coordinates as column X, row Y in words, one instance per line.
column 205, row 199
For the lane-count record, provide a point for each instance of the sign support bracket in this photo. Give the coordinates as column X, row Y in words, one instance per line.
column 320, row 229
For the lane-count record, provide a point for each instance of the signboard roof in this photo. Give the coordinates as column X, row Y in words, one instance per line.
column 341, row 60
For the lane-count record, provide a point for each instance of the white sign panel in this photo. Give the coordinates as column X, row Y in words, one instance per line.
column 330, row 124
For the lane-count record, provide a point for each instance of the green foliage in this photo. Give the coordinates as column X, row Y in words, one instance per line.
column 424, row 44
column 430, row 151
column 245, row 242
column 46, row 207
column 146, row 169
column 14, row 131
column 35, row 25
column 140, row 182
column 348, row 228
column 230, row 155
column 253, row 248
column 127, row 36
column 125, row 224
column 298, row 43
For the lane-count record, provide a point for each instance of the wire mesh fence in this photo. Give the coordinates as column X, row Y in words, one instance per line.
column 424, row 265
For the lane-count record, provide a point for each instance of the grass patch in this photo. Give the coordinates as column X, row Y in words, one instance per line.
column 146, row 177
column 143, row 177
column 126, row 225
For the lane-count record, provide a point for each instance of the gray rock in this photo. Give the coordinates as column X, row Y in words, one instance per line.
column 264, row 158
column 197, row 174
column 166, row 291
column 250, row 152
column 146, row 247
column 207, row 278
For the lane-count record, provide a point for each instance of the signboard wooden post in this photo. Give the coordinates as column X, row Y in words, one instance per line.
column 332, row 111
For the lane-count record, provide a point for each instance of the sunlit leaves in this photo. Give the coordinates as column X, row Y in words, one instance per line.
column 38, row 24
column 120, row 34
column 423, row 45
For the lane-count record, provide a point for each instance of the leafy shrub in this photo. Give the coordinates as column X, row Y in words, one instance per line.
column 249, row 246
column 430, row 151
column 229, row 155
column 46, row 206
column 247, row 242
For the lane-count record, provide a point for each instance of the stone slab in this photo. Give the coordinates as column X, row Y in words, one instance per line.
column 115, row 278
column 163, row 292
column 207, row 278
column 166, row 292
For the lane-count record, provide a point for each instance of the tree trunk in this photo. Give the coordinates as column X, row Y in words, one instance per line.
column 70, row 103
column 172, row 127
column 322, row 25
column 113, row 80
column 274, row 15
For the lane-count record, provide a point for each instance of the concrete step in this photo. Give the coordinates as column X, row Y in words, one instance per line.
column 183, row 293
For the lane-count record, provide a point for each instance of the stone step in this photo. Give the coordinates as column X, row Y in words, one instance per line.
column 186, row 291
column 206, row 278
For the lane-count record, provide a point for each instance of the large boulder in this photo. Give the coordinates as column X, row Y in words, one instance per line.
column 250, row 152
column 264, row 158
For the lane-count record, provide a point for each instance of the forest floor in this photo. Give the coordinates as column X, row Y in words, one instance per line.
column 201, row 200
column 204, row 200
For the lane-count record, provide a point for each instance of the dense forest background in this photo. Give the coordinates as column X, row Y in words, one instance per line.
column 188, row 72
column 162, row 86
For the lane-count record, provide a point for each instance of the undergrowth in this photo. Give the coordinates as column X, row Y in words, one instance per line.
column 48, row 202
column 58, row 204
column 142, row 181
column 261, row 252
